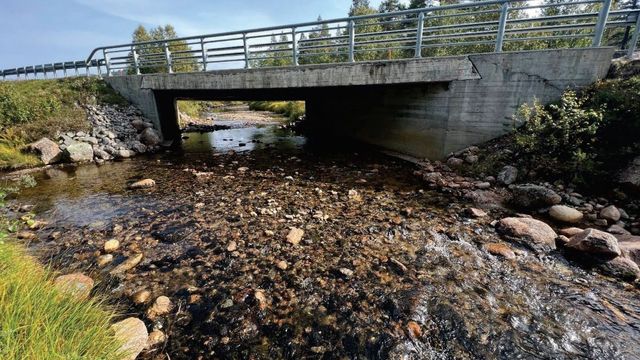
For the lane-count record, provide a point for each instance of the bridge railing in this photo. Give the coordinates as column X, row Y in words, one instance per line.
column 465, row 28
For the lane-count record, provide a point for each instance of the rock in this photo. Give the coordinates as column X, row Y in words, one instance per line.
column 156, row 338
column 232, row 246
column 295, row 236
column 141, row 297
column 565, row 214
column 162, row 306
column 262, row 299
column 27, row 235
column 455, row 162
column 508, row 175
column 346, row 272
column 282, row 265
column 534, row 196
column 476, row 213
column 123, row 154
column 595, row 243
column 48, row 151
column 621, row 268
column 150, row 137
column 500, row 249
column 569, row 232
column 139, row 147
column 630, row 177
column 601, row 222
column 414, row 329
column 104, row 260
column 101, row 154
column 111, row 245
column 530, row 232
column 127, row 265
column 77, row 284
column 610, row 213
column 139, row 124
column 617, row 230
column 79, row 152
column 143, row 184
column 562, row 240
column 471, row 159
column 354, row 196
column 132, row 333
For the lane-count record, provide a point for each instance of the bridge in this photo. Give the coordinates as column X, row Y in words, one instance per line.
column 423, row 81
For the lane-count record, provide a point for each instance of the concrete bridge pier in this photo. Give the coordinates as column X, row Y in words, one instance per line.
column 422, row 107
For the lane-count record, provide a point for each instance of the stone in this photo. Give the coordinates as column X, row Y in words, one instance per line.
column 101, row 154
column 139, row 124
column 530, row 232
column 127, row 265
column 76, row 284
column 569, row 232
column 617, row 230
column 346, row 272
column 104, row 260
column 79, row 152
column 133, row 335
column 354, row 195
column 123, row 154
column 621, row 268
column 282, row 265
column 156, row 338
column 150, row 137
column 595, row 243
column 476, row 213
column 295, row 236
column 630, row 246
column 533, row 196
column 414, row 329
column 630, row 176
column 111, row 245
column 143, row 184
column 508, row 175
column 48, row 151
column 232, row 246
column 610, row 213
column 139, row 147
column 27, row 235
column 262, row 299
column 471, row 159
column 141, row 297
column 565, row 214
column 601, row 222
column 455, row 162
column 500, row 249
column 162, row 306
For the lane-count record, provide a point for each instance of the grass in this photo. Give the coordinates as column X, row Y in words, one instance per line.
column 39, row 322
column 30, row 110
column 290, row 109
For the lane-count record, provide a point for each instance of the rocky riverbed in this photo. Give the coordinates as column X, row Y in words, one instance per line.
column 253, row 243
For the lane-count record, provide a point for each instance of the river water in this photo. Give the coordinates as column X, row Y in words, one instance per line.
column 385, row 269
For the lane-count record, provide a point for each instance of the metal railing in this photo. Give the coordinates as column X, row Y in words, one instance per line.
column 465, row 28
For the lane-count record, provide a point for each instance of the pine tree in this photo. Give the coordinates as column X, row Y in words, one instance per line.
column 151, row 56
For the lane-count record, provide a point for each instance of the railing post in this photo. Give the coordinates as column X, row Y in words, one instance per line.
column 634, row 39
column 502, row 25
column 64, row 70
column 136, row 60
column 204, row 55
column 419, row 33
column 99, row 67
column 107, row 62
column 167, row 57
column 352, row 40
column 245, row 44
column 44, row 71
column 602, row 23
column 294, row 46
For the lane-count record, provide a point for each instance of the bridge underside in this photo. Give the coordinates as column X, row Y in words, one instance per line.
column 422, row 107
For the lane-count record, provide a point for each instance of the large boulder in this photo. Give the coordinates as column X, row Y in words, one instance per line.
column 79, row 152
column 508, row 175
column 630, row 177
column 150, row 137
column 534, row 196
column 133, row 335
column 530, row 232
column 48, row 151
column 595, row 243
column 565, row 214
column 621, row 268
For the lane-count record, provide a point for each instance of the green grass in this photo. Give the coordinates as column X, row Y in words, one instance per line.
column 30, row 110
column 290, row 109
column 39, row 322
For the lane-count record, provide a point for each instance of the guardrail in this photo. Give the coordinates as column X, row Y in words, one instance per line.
column 473, row 27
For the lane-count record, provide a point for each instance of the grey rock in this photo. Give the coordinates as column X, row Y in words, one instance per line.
column 48, row 151
column 621, row 268
column 532, row 233
column 533, row 196
column 565, row 214
column 150, row 137
column 79, row 152
column 508, row 175
column 610, row 213
column 596, row 243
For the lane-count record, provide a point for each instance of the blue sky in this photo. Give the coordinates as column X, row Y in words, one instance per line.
column 44, row 31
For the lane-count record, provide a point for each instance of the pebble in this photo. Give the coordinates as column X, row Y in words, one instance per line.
column 104, row 260
column 295, row 236
column 133, row 335
column 127, row 265
column 156, row 338
column 111, row 245
column 143, row 184
column 76, row 284
column 282, row 265
column 232, row 246
column 160, row 307
column 141, row 297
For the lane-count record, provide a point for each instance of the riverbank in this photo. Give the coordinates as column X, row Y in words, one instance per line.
column 290, row 250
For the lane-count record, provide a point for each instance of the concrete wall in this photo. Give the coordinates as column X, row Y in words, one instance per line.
column 423, row 107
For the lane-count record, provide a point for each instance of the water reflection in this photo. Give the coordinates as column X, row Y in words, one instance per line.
column 242, row 139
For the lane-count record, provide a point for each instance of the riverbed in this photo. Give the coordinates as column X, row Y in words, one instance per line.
column 385, row 269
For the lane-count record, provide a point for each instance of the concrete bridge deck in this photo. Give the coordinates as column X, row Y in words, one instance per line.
column 423, row 107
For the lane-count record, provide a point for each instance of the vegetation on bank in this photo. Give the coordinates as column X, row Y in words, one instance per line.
column 290, row 109
column 583, row 138
column 37, row 320
column 30, row 110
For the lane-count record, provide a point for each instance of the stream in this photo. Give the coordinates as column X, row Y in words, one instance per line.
column 386, row 269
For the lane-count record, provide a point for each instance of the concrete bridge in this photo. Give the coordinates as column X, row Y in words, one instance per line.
column 422, row 107
column 421, row 104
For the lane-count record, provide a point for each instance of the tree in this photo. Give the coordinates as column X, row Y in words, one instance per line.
column 151, row 57
column 319, row 48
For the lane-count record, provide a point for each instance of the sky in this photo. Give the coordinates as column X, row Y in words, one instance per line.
column 34, row 32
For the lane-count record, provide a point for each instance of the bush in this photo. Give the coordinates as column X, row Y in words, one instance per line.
column 290, row 109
